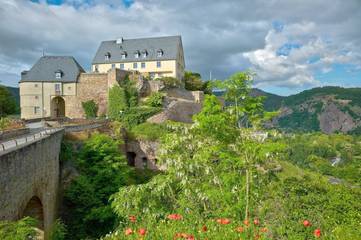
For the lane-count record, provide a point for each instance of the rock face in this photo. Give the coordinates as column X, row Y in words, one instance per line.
column 180, row 106
column 142, row 154
column 332, row 119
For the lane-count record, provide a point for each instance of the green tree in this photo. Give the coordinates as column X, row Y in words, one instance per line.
column 7, row 102
column 117, row 102
column 193, row 82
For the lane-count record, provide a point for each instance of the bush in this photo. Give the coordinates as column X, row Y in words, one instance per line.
column 149, row 131
column 170, row 82
column 4, row 122
column 117, row 102
column 90, row 108
column 7, row 102
column 19, row 230
column 138, row 115
column 155, row 100
column 58, row 231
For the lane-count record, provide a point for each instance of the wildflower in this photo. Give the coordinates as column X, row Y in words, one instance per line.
column 306, row 223
column 175, row 217
column 246, row 222
column 204, row 228
column 240, row 229
column 264, row 230
column 128, row 231
column 317, row 233
column 223, row 221
column 132, row 218
column 142, row 231
column 256, row 221
column 184, row 236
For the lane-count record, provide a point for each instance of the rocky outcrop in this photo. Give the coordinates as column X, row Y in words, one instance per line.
column 332, row 119
column 142, row 154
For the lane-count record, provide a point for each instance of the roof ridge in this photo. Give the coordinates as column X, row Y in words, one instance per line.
column 143, row 38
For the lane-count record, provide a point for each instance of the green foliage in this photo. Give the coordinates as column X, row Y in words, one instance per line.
column 4, row 122
column 7, row 102
column 103, row 169
column 149, row 131
column 137, row 115
column 300, row 121
column 170, row 82
column 193, row 82
column 58, row 231
column 117, row 102
column 155, row 100
column 90, row 109
column 18, row 230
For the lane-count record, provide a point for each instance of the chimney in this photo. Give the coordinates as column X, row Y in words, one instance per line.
column 119, row 40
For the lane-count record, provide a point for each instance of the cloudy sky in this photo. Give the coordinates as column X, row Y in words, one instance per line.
column 291, row 45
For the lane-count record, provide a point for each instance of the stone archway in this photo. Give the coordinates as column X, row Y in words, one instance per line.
column 34, row 209
column 57, row 107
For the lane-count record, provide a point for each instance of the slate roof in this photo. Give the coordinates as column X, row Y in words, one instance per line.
column 169, row 45
column 44, row 70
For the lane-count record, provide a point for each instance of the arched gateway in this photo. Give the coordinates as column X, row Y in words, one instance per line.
column 57, row 107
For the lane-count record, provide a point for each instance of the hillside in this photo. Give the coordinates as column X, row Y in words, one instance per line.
column 326, row 109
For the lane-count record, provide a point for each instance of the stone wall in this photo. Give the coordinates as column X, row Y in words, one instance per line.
column 27, row 172
column 145, row 153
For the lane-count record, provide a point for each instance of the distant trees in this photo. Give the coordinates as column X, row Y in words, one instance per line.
column 7, row 102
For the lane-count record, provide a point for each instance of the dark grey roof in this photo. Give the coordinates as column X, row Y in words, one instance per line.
column 44, row 70
column 169, row 45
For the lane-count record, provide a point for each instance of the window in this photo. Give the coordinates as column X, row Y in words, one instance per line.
column 144, row 53
column 135, row 65
column 113, row 66
column 58, row 74
column 96, row 68
column 159, row 64
column 36, row 85
column 36, row 97
column 124, row 55
column 142, row 65
column 107, row 56
column 57, row 88
column 36, row 110
column 160, row 53
column 136, row 54
column 122, row 66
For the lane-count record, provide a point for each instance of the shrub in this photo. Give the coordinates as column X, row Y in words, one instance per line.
column 90, row 108
column 149, row 131
column 58, row 231
column 19, row 230
column 4, row 122
column 117, row 102
column 137, row 115
column 155, row 100
column 7, row 102
column 170, row 82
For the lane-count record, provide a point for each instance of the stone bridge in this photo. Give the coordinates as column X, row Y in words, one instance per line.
column 29, row 177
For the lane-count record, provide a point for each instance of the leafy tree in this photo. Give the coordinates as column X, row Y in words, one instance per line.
column 7, row 102
column 90, row 108
column 170, row 82
column 193, row 82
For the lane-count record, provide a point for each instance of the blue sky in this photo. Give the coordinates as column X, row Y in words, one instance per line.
column 296, row 50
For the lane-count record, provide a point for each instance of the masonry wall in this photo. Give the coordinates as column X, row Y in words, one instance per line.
column 30, row 171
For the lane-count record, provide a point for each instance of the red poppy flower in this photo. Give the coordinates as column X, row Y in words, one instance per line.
column 184, row 236
column 190, row 237
column 128, row 231
column 223, row 221
column 246, row 222
column 132, row 218
column 240, row 229
column 264, row 230
column 317, row 233
column 256, row 222
column 175, row 217
column 142, row 231
column 204, row 228
column 306, row 223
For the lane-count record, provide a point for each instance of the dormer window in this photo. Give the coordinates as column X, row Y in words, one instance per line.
column 58, row 74
column 144, row 53
column 124, row 54
column 136, row 54
column 107, row 56
column 159, row 53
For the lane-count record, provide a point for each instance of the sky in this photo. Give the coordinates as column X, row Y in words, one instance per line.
column 290, row 45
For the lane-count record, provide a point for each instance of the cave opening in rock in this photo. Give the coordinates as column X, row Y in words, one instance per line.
column 131, row 158
column 34, row 209
column 145, row 162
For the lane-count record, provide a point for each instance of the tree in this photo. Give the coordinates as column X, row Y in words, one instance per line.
column 117, row 102
column 7, row 102
column 193, row 82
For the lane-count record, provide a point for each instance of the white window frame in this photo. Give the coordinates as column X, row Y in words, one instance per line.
column 142, row 65
column 135, row 65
